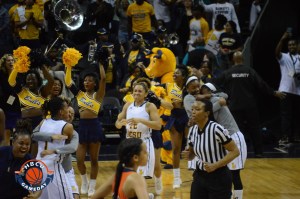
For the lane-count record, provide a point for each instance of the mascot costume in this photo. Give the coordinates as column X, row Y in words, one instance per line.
column 161, row 69
column 162, row 65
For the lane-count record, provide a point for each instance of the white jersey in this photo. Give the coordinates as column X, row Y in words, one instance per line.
column 139, row 130
column 51, row 126
column 60, row 186
column 143, row 132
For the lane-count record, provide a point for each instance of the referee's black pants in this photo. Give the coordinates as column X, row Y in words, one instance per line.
column 214, row 185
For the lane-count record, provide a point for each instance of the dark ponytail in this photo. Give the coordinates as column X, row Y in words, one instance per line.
column 53, row 106
column 23, row 127
column 119, row 172
column 127, row 149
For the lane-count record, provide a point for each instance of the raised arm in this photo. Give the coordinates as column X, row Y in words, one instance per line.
column 207, row 8
column 12, row 78
column 280, row 44
column 68, row 77
column 46, row 90
column 101, row 91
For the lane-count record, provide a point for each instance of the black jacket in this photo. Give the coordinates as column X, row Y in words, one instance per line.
column 242, row 84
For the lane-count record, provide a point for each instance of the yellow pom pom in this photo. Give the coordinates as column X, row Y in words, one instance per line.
column 22, row 63
column 21, row 52
column 71, row 57
column 159, row 91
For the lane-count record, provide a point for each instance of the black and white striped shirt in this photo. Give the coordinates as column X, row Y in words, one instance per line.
column 208, row 143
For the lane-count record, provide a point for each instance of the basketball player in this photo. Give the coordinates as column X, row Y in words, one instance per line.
column 57, row 108
column 140, row 117
column 126, row 183
column 67, row 149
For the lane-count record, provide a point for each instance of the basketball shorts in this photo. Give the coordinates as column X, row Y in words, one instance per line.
column 71, row 178
column 60, row 186
column 148, row 170
column 239, row 162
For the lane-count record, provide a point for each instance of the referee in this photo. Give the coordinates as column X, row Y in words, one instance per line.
column 209, row 141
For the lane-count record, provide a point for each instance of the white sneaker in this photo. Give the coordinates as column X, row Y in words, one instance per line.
column 177, row 182
column 84, row 188
column 151, row 196
column 158, row 185
column 91, row 192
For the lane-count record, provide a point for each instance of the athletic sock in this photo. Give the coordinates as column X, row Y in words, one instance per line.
column 84, row 179
column 238, row 194
column 92, row 184
column 176, row 173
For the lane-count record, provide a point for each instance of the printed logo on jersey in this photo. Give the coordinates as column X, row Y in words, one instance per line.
column 34, row 175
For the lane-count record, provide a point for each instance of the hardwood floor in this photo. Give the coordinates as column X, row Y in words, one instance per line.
column 267, row 178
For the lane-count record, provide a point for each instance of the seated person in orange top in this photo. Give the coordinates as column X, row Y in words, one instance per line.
column 126, row 183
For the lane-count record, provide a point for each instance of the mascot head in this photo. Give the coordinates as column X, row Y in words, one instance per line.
column 162, row 64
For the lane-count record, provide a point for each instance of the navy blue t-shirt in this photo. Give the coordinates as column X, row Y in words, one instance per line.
column 9, row 188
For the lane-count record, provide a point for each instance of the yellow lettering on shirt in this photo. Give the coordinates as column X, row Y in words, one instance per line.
column 85, row 102
column 30, row 100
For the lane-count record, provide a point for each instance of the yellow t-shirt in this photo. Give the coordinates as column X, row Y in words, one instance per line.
column 141, row 17
column 31, row 31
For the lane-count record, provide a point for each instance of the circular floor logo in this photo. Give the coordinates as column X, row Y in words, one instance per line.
column 34, row 175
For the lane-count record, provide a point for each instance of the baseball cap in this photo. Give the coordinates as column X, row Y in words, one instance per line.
column 102, row 31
